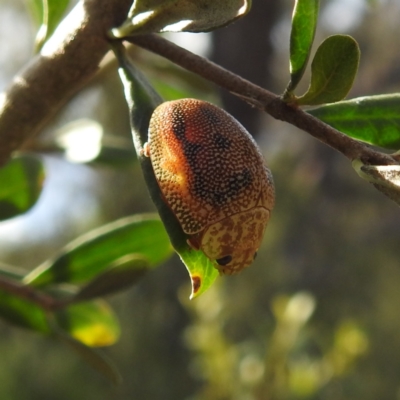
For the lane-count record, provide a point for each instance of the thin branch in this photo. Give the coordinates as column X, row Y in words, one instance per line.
column 68, row 60
column 36, row 296
column 28, row 293
column 262, row 99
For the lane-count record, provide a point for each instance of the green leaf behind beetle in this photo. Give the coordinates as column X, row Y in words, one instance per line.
column 142, row 100
column 333, row 70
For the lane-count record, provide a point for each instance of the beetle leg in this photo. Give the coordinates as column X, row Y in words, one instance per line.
column 193, row 242
column 146, row 150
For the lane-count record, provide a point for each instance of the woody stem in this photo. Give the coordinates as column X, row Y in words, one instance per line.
column 262, row 99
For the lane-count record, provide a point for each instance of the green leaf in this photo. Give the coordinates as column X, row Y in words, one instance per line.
column 19, row 311
column 304, row 23
column 148, row 16
column 97, row 250
column 372, row 119
column 124, row 273
column 201, row 270
column 333, row 70
column 94, row 357
column 22, row 312
column 92, row 323
column 21, row 183
column 142, row 100
column 47, row 14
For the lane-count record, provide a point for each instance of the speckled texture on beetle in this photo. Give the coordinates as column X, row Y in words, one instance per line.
column 213, row 177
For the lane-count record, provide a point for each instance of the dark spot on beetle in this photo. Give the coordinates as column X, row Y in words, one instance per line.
column 190, row 150
column 208, row 187
column 209, row 114
column 178, row 125
column 196, row 283
column 222, row 142
column 254, row 256
column 224, row 260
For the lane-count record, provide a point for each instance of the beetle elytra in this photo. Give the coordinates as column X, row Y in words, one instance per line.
column 213, row 177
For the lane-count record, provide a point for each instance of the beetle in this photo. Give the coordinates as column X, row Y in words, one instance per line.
column 212, row 176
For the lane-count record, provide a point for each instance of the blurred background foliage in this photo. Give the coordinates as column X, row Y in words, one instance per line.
column 315, row 317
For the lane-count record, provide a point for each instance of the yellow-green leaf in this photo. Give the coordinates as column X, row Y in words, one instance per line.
column 92, row 323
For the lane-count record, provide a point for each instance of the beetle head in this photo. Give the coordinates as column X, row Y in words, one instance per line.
column 233, row 242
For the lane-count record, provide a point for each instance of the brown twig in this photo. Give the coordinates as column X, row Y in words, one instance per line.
column 28, row 293
column 36, row 296
column 262, row 99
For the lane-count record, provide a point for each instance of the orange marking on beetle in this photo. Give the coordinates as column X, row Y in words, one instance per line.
column 213, row 177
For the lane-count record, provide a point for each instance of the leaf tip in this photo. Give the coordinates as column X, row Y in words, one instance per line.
column 196, row 285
